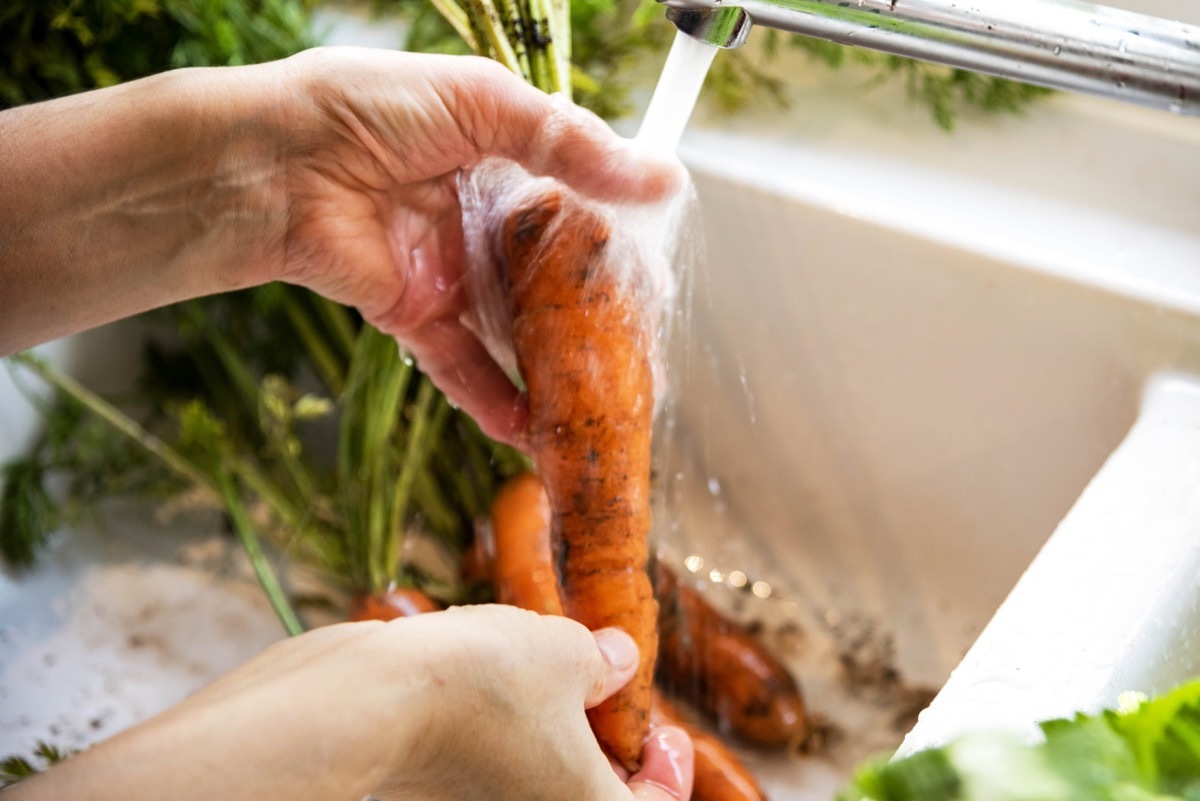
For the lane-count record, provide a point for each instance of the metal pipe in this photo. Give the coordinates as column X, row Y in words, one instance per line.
column 1062, row 44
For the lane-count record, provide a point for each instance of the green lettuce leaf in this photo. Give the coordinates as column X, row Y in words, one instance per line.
column 1148, row 750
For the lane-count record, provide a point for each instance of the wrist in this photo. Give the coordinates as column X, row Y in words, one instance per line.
column 172, row 185
column 244, row 113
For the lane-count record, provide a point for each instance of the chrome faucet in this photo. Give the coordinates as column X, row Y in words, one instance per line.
column 1062, row 44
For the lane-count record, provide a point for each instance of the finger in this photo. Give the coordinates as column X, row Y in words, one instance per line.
column 550, row 135
column 620, row 655
column 667, row 767
column 460, row 366
column 620, row 770
column 578, row 148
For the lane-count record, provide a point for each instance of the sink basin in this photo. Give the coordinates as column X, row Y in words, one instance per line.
column 909, row 355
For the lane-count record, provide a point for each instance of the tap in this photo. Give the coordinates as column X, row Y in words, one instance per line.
column 1062, row 44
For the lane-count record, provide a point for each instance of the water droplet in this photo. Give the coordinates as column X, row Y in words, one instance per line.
column 746, row 393
column 408, row 361
column 1057, row 50
column 714, row 486
column 694, row 562
column 736, row 578
column 761, row 589
column 716, row 576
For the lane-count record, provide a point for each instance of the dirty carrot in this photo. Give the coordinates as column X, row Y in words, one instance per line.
column 720, row 775
column 520, row 537
column 724, row 670
column 390, row 604
column 582, row 343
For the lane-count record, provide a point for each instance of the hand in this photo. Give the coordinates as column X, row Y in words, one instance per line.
column 334, row 169
column 374, row 215
column 471, row 703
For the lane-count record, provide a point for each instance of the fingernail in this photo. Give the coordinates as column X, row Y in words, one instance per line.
column 619, row 649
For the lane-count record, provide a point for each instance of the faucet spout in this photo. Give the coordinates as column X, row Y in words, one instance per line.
column 723, row 26
column 1063, row 44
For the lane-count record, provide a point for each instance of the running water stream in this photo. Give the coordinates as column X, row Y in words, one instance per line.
column 675, row 96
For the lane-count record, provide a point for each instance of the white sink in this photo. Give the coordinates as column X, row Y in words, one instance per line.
column 911, row 353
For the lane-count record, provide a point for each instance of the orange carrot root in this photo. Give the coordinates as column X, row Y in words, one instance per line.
column 521, row 535
column 391, row 604
column 582, row 347
column 725, row 671
column 476, row 567
column 523, row 567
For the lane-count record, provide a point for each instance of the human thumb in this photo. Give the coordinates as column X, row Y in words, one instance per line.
column 621, row 658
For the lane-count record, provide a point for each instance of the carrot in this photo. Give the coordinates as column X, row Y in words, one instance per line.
column 720, row 775
column 476, row 567
column 581, row 342
column 523, row 569
column 391, row 604
column 520, row 528
column 725, row 671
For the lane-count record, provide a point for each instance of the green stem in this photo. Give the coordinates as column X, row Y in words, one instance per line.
column 248, row 387
column 173, row 460
column 439, row 513
column 270, row 493
column 517, row 29
column 537, row 38
column 376, row 385
column 258, row 560
column 238, row 372
column 114, row 417
column 421, row 434
column 323, row 359
column 383, row 416
column 559, row 49
column 488, row 18
column 453, row 13
column 338, row 321
column 222, row 394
